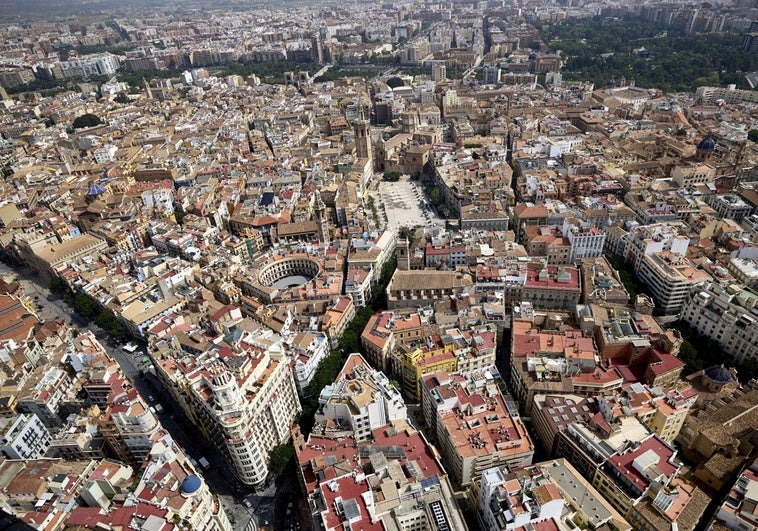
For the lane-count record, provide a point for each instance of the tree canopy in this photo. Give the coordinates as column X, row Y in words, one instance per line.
column 279, row 458
column 395, row 82
column 601, row 49
column 86, row 120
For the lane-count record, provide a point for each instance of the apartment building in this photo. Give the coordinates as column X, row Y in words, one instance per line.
column 653, row 238
column 476, row 428
column 46, row 258
column 358, row 284
column 170, row 481
column 669, row 276
column 513, row 500
column 359, row 401
column 372, row 251
column 729, row 206
column 552, row 362
column 552, row 287
column 104, row 64
column 586, row 241
column 738, row 510
column 307, row 349
column 550, row 494
column 601, row 283
column 551, row 414
column 631, row 474
column 453, row 349
column 244, row 402
column 693, row 174
column 23, row 437
column 727, row 315
column 663, row 410
column 80, row 437
column 587, row 444
column 129, row 427
column 44, row 392
column 393, row 481
column 384, row 331
column 744, row 271
column 679, row 505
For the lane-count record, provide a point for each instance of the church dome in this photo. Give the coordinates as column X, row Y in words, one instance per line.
column 95, row 189
column 191, row 484
column 707, row 144
column 718, row 374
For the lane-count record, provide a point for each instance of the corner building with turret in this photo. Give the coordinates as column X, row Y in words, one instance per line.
column 243, row 400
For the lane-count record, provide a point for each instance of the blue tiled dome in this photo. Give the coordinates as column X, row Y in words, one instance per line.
column 707, row 144
column 191, row 484
column 95, row 189
column 719, row 374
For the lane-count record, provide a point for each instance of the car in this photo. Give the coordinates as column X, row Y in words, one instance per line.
column 247, row 503
column 150, row 398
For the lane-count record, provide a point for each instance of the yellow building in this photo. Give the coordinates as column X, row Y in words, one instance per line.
column 435, row 355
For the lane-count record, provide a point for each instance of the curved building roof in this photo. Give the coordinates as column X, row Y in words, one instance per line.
column 707, row 144
column 719, row 374
column 191, row 484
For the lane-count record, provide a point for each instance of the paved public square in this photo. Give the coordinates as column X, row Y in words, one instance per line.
column 405, row 204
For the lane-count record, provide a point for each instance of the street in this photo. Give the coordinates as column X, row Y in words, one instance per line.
column 221, row 480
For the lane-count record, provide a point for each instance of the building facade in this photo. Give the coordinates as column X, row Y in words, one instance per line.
column 24, row 437
column 725, row 314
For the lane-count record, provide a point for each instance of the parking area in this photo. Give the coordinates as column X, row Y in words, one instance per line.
column 405, row 204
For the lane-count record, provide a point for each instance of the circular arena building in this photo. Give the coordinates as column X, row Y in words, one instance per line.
column 289, row 272
column 292, row 277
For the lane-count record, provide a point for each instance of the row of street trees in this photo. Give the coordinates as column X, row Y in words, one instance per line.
column 88, row 308
column 281, row 458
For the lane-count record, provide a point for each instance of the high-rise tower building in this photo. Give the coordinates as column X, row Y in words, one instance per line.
column 362, row 128
column 319, row 212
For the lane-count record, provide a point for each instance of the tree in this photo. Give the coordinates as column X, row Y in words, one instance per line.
column 85, row 306
column 435, row 196
column 752, row 135
column 392, row 176
column 689, row 355
column 86, row 120
column 279, row 458
column 407, row 233
column 395, row 82
column 57, row 286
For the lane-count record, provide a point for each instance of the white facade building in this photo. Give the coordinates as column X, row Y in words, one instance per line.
column 586, row 240
column 132, row 429
column 24, row 437
column 307, row 350
column 105, row 153
column 745, row 271
column 726, row 314
column 360, row 400
column 669, row 278
column 245, row 402
column 508, row 502
column 654, row 238
column 104, row 64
